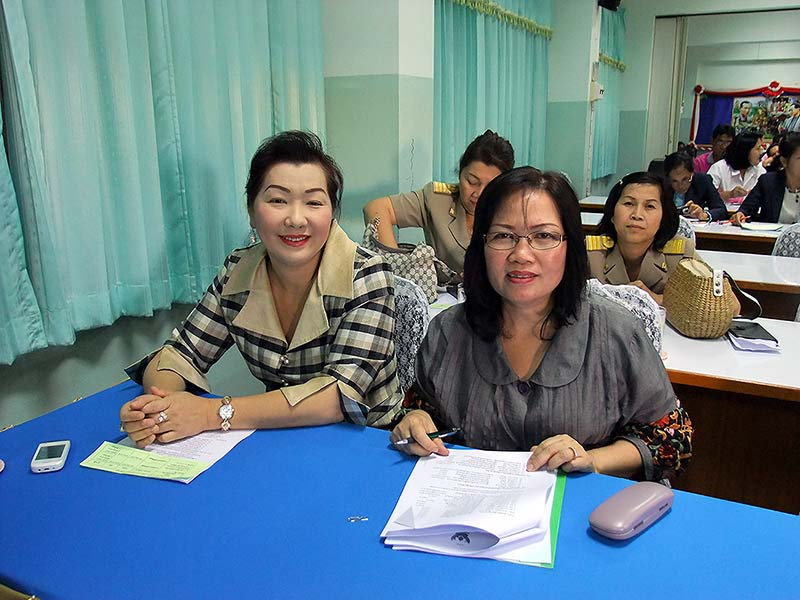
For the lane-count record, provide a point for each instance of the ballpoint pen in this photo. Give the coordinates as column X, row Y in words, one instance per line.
column 433, row 435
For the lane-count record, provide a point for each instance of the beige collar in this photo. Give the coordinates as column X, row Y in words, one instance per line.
column 334, row 278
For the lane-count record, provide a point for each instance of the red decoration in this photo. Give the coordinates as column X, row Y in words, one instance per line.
column 772, row 90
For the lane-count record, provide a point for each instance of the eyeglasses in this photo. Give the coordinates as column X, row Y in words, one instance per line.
column 538, row 240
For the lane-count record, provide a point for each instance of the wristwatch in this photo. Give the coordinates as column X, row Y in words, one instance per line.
column 226, row 413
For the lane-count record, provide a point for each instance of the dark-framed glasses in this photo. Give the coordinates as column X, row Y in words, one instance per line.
column 538, row 240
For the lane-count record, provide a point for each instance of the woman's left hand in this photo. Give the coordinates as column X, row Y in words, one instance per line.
column 560, row 451
column 177, row 415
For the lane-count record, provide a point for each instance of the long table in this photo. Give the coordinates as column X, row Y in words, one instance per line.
column 774, row 280
column 712, row 236
column 746, row 410
column 270, row 520
column 745, row 407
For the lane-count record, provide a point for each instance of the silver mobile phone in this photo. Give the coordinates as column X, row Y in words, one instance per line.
column 50, row 456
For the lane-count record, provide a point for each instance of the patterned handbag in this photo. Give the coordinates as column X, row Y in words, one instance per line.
column 416, row 263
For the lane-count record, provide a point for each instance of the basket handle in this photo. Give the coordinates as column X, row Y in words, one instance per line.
column 751, row 307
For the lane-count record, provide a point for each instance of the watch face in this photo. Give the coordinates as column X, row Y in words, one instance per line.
column 226, row 411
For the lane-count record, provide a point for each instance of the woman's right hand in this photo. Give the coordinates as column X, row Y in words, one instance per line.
column 697, row 212
column 417, row 424
column 738, row 218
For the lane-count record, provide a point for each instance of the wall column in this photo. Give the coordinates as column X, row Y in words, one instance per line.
column 378, row 98
column 576, row 26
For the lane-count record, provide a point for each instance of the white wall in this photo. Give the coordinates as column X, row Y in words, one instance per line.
column 348, row 54
column 415, row 32
column 740, row 51
column 640, row 27
column 640, row 20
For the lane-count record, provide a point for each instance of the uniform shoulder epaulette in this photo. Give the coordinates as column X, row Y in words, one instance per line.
column 599, row 242
column 674, row 246
column 444, row 188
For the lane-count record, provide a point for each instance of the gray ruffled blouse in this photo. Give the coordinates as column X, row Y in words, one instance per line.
column 600, row 374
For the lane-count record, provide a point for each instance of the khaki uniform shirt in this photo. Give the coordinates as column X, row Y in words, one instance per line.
column 345, row 335
column 441, row 215
column 606, row 263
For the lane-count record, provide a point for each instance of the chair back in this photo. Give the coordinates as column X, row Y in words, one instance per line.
column 639, row 302
column 685, row 228
column 411, row 324
column 788, row 242
column 656, row 167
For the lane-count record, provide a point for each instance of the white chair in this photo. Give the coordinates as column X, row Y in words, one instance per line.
column 685, row 228
column 639, row 302
column 788, row 242
column 411, row 324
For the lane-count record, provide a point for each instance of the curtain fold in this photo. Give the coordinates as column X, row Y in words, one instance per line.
column 131, row 124
column 489, row 73
column 605, row 147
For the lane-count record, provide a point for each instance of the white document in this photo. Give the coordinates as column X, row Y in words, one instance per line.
column 475, row 503
column 207, row 447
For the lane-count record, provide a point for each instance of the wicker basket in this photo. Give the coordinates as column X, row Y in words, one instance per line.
column 692, row 307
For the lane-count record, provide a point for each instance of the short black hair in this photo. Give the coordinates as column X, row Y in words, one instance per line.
column 490, row 149
column 737, row 154
column 722, row 129
column 789, row 145
column 483, row 304
column 296, row 148
column 678, row 159
column 669, row 213
column 743, row 102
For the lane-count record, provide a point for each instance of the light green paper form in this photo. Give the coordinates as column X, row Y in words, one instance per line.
column 133, row 461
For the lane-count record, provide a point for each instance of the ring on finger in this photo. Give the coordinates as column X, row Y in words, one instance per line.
column 122, row 427
column 574, row 452
column 162, row 417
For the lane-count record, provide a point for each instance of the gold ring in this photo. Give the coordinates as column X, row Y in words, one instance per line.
column 574, row 453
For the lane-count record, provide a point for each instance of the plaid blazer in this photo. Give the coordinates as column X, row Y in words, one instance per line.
column 345, row 334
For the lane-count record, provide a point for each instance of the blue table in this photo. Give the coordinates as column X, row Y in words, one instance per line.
column 270, row 520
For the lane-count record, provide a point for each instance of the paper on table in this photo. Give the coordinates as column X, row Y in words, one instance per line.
column 762, row 226
column 125, row 460
column 205, row 448
column 475, row 503
column 749, row 345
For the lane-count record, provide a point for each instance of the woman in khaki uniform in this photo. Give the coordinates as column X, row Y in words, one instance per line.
column 445, row 210
column 635, row 241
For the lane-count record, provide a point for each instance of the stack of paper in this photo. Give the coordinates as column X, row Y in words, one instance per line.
column 752, row 337
column 479, row 504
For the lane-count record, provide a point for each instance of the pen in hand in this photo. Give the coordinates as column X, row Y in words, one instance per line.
column 433, row 435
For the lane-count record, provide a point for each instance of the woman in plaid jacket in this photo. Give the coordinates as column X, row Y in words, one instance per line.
column 310, row 311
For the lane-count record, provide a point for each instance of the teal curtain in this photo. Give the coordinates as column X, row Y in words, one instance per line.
column 490, row 72
column 605, row 148
column 130, row 128
column 21, row 330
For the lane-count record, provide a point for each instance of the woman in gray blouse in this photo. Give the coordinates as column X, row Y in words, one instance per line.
column 531, row 362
